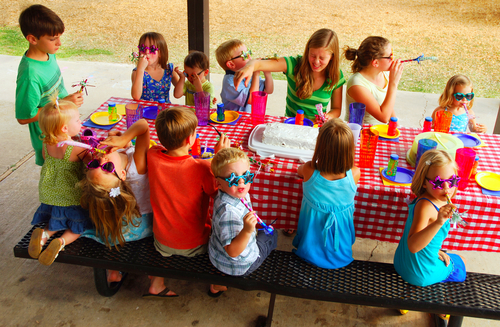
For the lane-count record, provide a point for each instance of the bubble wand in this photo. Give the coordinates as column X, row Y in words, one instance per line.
column 267, row 229
column 83, row 86
column 456, row 217
column 82, row 145
column 421, row 58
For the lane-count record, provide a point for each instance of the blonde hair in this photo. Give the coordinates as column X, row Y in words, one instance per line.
column 446, row 98
column 159, row 41
column 109, row 214
column 52, row 118
column 371, row 48
column 438, row 158
column 334, row 152
column 225, row 157
column 174, row 126
column 223, row 52
column 323, row 38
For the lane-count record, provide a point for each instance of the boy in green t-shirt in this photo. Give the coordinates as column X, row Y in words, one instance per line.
column 39, row 77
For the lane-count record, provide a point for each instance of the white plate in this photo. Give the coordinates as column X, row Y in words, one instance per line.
column 265, row 150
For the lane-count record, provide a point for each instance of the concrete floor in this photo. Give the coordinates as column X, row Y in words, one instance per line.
column 64, row 295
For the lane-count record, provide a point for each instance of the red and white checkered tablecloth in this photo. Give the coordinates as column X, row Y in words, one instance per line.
column 381, row 211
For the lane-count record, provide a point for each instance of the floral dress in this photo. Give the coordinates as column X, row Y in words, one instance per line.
column 153, row 90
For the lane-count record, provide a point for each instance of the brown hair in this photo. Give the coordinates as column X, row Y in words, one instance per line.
column 196, row 59
column 39, row 21
column 53, row 116
column 334, row 152
column 223, row 52
column 225, row 157
column 430, row 158
column 159, row 41
column 323, row 38
column 174, row 125
column 109, row 214
column 371, row 48
column 446, row 98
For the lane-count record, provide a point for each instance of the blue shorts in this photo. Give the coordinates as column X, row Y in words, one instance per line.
column 458, row 274
column 266, row 244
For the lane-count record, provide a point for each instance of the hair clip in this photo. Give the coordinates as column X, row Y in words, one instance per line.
column 428, row 162
column 115, row 191
column 57, row 102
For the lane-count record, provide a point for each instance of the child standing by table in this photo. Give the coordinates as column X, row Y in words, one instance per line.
column 458, row 94
column 235, row 248
column 195, row 70
column 231, row 56
column 325, row 232
column 62, row 169
column 418, row 258
column 153, row 75
column 312, row 78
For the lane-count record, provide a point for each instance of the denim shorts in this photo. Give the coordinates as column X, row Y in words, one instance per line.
column 458, row 274
column 266, row 244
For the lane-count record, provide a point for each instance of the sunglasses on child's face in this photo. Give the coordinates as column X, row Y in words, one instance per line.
column 244, row 54
column 152, row 49
column 438, row 183
column 460, row 96
column 391, row 57
column 108, row 167
column 234, row 180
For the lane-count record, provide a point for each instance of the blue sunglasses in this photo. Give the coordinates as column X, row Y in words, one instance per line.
column 234, row 180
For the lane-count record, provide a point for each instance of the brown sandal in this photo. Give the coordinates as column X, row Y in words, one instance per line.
column 36, row 242
column 51, row 252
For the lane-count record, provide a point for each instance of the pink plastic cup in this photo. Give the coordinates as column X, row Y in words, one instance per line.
column 443, row 121
column 133, row 112
column 202, row 107
column 465, row 160
column 259, row 102
column 368, row 148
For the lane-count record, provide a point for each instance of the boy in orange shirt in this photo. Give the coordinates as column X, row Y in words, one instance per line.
column 180, row 188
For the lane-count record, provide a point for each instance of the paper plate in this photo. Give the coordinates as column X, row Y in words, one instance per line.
column 403, row 176
column 382, row 131
column 209, row 150
column 230, row 116
column 488, row 180
column 469, row 141
column 150, row 112
column 307, row 122
column 102, row 118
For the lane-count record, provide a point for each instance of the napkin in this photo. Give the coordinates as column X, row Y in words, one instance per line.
column 89, row 123
column 489, row 192
column 396, row 140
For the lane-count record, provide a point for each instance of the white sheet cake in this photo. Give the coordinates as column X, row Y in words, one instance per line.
column 290, row 136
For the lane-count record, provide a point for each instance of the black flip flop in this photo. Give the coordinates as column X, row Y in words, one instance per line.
column 214, row 295
column 161, row 295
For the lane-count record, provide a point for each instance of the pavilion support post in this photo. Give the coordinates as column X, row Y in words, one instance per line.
column 198, row 26
column 496, row 130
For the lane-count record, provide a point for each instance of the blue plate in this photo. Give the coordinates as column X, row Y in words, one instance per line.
column 150, row 112
column 307, row 122
column 469, row 141
column 403, row 175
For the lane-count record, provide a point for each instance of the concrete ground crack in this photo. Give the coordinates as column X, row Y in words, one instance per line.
column 371, row 254
column 16, row 166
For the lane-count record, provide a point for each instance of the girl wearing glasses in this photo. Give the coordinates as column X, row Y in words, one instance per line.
column 153, row 75
column 375, row 79
column 458, row 98
column 63, row 168
column 418, row 258
column 116, row 191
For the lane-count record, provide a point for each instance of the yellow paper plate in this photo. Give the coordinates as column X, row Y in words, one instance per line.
column 488, row 180
column 382, row 131
column 120, row 108
column 102, row 118
column 229, row 115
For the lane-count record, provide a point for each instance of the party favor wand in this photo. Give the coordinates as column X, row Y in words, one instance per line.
column 456, row 218
column 421, row 58
column 267, row 229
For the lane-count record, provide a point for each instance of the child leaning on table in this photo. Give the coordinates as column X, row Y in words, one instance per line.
column 325, row 233
column 196, row 67
column 61, row 171
column 459, row 92
column 232, row 55
column 418, row 258
column 235, row 247
column 116, row 191
column 180, row 187
column 38, row 76
column 152, row 77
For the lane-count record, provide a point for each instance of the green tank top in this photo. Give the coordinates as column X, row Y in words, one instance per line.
column 58, row 180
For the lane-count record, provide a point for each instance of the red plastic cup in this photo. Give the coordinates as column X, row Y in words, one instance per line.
column 443, row 121
column 259, row 102
column 465, row 160
column 368, row 148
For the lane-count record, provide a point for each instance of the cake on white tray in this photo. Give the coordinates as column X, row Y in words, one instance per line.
column 290, row 136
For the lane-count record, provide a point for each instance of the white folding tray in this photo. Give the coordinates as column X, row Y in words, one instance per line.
column 270, row 151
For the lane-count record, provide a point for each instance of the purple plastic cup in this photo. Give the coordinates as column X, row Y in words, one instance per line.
column 202, row 107
column 133, row 112
column 357, row 113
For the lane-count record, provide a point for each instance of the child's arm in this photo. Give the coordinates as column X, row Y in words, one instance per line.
column 336, row 104
column 224, row 142
column 421, row 231
column 240, row 242
column 254, row 86
column 76, row 98
column 476, row 127
column 258, row 65
column 305, row 171
column 268, row 83
column 137, row 77
column 27, row 121
column 179, row 87
column 176, row 76
column 356, row 174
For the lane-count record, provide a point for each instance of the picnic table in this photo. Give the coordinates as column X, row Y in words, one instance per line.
column 381, row 211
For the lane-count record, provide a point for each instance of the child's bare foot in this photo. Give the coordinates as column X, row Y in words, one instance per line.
column 216, row 290
column 157, row 289
column 114, row 276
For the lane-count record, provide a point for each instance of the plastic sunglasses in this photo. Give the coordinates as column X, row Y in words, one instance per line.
column 460, row 96
column 391, row 57
column 234, row 180
column 108, row 167
column 244, row 54
column 152, row 49
column 438, row 183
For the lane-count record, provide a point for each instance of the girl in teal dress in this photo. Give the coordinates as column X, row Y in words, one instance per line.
column 325, row 232
column 59, row 197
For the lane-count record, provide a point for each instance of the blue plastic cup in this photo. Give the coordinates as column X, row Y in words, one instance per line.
column 424, row 145
column 357, row 113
